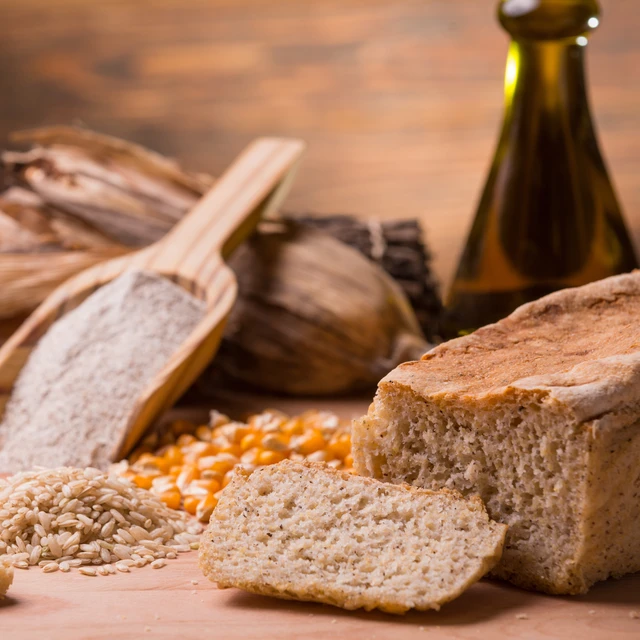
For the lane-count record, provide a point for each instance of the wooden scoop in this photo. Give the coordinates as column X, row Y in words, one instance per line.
column 192, row 255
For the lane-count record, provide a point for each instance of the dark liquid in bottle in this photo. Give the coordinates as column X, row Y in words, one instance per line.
column 548, row 217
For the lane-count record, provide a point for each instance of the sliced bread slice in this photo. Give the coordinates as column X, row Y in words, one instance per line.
column 305, row 531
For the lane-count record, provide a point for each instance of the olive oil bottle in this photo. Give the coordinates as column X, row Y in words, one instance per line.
column 548, row 217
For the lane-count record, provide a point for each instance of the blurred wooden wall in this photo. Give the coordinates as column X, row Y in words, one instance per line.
column 400, row 101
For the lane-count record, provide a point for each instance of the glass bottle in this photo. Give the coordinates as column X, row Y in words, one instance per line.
column 548, row 217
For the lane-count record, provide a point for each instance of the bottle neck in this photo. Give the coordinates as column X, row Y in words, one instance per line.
column 545, row 76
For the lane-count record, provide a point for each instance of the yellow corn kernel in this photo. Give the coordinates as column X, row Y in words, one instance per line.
column 206, row 462
column 197, row 450
column 171, row 499
column 210, row 486
column 220, row 463
column 203, row 433
column 185, row 440
column 228, row 477
column 340, row 445
column 234, row 449
column 171, row 454
column 250, row 441
column 205, row 448
column 292, row 427
column 275, row 442
column 309, row 442
column 146, row 459
column 217, row 419
column 219, row 442
column 273, row 426
column 250, row 457
column 233, row 432
column 144, row 482
column 270, row 457
column 149, row 462
column 226, row 462
column 207, row 474
column 320, row 456
column 188, row 473
column 205, row 508
column 266, row 420
column 181, row 427
column 315, row 419
column 160, row 484
column 191, row 504
column 348, row 461
column 194, row 490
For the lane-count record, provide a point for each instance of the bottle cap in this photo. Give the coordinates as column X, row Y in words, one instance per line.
column 548, row 19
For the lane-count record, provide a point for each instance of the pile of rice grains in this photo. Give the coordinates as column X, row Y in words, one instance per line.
column 101, row 523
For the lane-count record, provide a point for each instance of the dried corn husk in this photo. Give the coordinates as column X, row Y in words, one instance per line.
column 81, row 197
column 127, row 192
column 40, row 248
column 313, row 315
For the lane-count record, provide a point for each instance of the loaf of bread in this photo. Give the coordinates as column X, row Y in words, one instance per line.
column 305, row 531
column 6, row 576
column 539, row 415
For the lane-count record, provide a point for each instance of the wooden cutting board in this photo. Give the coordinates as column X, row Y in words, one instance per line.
column 178, row 603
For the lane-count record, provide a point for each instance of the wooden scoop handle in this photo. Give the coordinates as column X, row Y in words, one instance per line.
column 252, row 187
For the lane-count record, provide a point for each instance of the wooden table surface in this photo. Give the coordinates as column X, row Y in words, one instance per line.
column 400, row 101
column 166, row 604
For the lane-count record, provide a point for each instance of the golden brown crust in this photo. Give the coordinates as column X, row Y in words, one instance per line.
column 582, row 346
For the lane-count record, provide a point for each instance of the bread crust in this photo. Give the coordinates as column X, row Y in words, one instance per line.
column 579, row 346
column 574, row 356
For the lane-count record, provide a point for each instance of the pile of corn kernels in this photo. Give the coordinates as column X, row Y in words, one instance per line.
column 188, row 465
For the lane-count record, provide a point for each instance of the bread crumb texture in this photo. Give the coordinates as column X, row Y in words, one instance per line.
column 304, row 531
column 539, row 415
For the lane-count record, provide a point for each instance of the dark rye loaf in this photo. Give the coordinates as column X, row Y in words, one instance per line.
column 539, row 415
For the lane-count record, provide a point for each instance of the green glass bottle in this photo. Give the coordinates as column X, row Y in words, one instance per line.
column 548, row 217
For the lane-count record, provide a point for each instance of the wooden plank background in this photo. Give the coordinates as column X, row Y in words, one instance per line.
column 399, row 100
